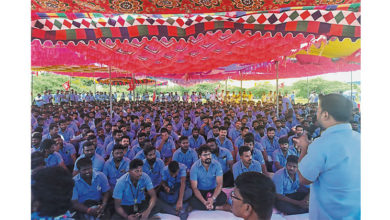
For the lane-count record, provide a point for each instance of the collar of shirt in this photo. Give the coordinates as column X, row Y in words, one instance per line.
column 78, row 178
column 336, row 128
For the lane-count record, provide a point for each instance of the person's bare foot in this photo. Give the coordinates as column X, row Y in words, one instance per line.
column 225, row 207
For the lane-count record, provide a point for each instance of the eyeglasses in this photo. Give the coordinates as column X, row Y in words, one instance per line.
column 232, row 195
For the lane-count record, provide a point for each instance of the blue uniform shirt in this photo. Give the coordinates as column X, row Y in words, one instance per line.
column 283, row 182
column 53, row 159
column 256, row 155
column 171, row 181
column 332, row 163
column 112, row 172
column 277, row 156
column 67, row 134
column 97, row 162
column 195, row 143
column 270, row 147
column 185, row 132
column 134, row 150
column 234, row 133
column 207, row 180
column 223, row 157
column 239, row 142
column 167, row 148
column 154, row 172
column 82, row 191
column 128, row 193
column 282, row 132
column 239, row 168
column 188, row 158
column 66, row 152
column 227, row 144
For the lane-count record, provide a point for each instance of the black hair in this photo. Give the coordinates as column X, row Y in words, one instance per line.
column 117, row 147
column 53, row 125
column 37, row 159
column 46, row 144
column 195, row 129
column 211, row 140
column 223, row 128
column 116, row 132
column 148, row 148
column 142, row 134
column 91, row 137
column 257, row 190
column 163, row 130
column 292, row 159
column 283, row 140
column 243, row 128
column 37, row 135
column 173, row 166
column 249, row 139
column 270, row 129
column 243, row 149
column 182, row 138
column 338, row 106
column 83, row 162
column 52, row 188
column 135, row 163
column 203, row 148
column 87, row 144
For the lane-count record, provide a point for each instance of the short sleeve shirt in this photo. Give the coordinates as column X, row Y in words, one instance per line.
column 207, row 180
column 82, row 191
column 130, row 194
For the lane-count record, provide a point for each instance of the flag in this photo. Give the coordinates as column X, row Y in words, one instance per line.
column 66, row 85
column 154, row 96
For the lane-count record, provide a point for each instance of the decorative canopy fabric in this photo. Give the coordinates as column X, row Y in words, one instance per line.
column 171, row 6
column 187, row 47
column 125, row 81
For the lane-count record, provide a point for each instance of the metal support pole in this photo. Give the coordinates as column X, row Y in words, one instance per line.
column 109, row 70
column 241, row 87
column 351, row 87
column 226, row 87
column 277, row 88
column 32, row 88
column 307, row 86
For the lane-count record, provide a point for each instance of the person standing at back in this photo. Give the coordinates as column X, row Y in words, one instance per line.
column 331, row 164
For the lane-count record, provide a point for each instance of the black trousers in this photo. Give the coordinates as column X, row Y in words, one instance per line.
column 291, row 209
column 198, row 205
column 158, row 207
column 228, row 179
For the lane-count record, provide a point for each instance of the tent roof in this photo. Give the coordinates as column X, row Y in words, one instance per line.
column 168, row 6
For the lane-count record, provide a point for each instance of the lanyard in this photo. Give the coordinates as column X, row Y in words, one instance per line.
column 132, row 193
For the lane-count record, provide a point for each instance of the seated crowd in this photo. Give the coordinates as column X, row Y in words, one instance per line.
column 169, row 156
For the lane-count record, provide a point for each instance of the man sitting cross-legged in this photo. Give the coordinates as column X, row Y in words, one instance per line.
column 206, row 181
column 174, row 188
column 292, row 197
column 90, row 192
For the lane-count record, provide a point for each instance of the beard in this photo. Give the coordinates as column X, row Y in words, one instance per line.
column 195, row 136
column 152, row 160
column 118, row 159
column 207, row 161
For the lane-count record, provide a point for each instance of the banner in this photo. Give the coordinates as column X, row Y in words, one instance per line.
column 66, row 85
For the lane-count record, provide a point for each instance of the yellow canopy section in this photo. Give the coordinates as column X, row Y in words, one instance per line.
column 333, row 49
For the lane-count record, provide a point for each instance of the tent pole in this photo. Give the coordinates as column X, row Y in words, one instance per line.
column 226, row 87
column 241, row 87
column 32, row 88
column 351, row 87
column 109, row 70
column 307, row 86
column 277, row 88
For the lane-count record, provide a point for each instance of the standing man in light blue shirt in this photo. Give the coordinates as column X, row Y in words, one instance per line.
column 331, row 164
column 206, row 178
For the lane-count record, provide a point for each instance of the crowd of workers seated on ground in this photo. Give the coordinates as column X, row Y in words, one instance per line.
column 171, row 157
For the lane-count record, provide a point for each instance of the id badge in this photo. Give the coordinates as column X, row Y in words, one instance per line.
column 135, row 208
